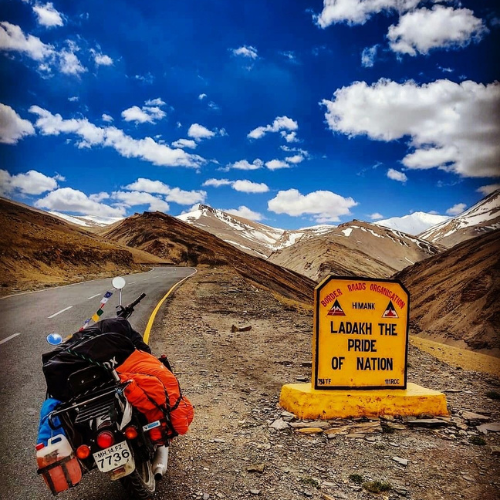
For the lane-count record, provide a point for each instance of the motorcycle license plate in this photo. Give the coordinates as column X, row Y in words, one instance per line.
column 113, row 457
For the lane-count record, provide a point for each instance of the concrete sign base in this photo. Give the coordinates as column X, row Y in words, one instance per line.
column 308, row 403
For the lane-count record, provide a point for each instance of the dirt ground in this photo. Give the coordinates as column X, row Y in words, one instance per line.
column 234, row 378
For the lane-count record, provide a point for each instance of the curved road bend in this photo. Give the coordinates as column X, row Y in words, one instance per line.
column 26, row 319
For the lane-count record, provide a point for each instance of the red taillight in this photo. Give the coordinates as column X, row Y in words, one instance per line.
column 105, row 439
column 131, row 432
column 83, row 452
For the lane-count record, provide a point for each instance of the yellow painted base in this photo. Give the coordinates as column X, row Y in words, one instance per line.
column 308, row 403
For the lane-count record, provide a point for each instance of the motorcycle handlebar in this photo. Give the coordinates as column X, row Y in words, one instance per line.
column 126, row 311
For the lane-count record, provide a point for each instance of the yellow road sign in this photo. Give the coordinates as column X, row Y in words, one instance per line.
column 360, row 338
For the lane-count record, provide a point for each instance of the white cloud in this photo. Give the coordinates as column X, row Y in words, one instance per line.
column 452, row 126
column 217, row 182
column 47, row 15
column 244, row 212
column 243, row 186
column 12, row 38
column 72, row 200
column 276, row 164
column 422, row 30
column 184, row 143
column 155, row 102
column 101, row 59
column 246, row 165
column 31, row 183
column 133, row 198
column 149, row 113
column 456, row 209
column 175, row 195
column 281, row 123
column 199, row 132
column 74, row 98
column 68, row 62
column 395, row 175
column 246, row 51
column 324, row 206
column 202, row 96
column 289, row 136
column 12, row 126
column 107, row 118
column 295, row 159
column 99, row 196
column 368, row 56
column 486, row 190
column 358, row 11
column 376, row 216
column 146, row 149
column 147, row 78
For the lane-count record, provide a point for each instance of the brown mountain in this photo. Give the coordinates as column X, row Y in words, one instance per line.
column 172, row 239
column 37, row 248
column 454, row 295
column 354, row 248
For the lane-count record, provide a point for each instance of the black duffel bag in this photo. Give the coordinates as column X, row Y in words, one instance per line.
column 106, row 349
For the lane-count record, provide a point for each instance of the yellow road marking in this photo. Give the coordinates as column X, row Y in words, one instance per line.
column 156, row 309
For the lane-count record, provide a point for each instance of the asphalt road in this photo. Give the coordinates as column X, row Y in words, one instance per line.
column 26, row 320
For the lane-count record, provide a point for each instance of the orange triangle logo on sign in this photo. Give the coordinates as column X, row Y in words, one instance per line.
column 336, row 310
column 390, row 311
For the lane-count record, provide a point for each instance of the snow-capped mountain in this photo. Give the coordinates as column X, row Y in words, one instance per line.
column 354, row 248
column 414, row 223
column 483, row 217
column 252, row 237
column 88, row 221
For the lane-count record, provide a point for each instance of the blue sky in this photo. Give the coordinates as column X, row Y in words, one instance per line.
column 294, row 113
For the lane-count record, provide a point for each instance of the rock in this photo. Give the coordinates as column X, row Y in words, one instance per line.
column 206, row 496
column 401, row 492
column 279, row 425
column 495, row 450
column 235, row 328
column 256, row 468
column 287, row 416
column 308, row 494
column 474, row 417
column 301, row 379
column 395, row 426
column 452, row 390
column 336, row 430
column 490, row 427
column 255, row 492
column 401, row 461
column 427, row 422
column 219, row 440
column 318, row 423
column 310, row 430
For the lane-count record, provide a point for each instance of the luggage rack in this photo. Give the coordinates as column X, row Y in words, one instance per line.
column 100, row 407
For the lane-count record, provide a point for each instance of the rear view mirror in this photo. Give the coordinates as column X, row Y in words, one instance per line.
column 118, row 282
column 54, row 339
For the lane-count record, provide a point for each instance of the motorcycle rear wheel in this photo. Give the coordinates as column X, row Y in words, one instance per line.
column 141, row 484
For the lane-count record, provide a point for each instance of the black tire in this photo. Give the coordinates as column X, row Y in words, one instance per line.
column 141, row 484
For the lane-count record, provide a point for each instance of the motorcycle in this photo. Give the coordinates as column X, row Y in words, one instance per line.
column 102, row 430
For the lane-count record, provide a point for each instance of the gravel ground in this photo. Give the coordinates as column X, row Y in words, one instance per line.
column 243, row 445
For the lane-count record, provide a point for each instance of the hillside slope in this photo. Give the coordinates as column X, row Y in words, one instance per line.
column 37, row 248
column 454, row 295
column 354, row 248
column 481, row 218
column 184, row 244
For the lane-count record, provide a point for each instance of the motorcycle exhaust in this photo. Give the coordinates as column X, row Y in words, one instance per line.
column 160, row 462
